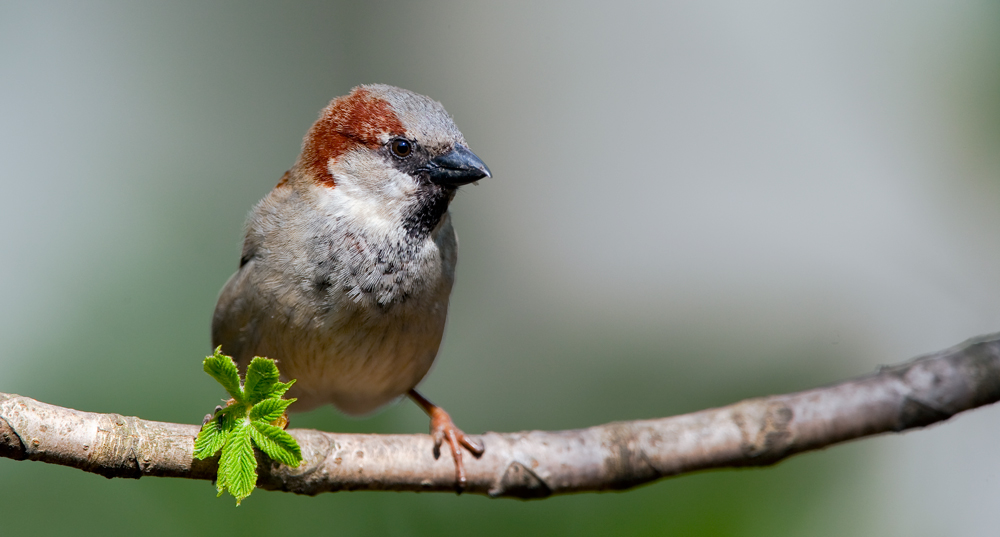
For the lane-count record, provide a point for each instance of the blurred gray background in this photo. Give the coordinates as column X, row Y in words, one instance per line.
column 693, row 203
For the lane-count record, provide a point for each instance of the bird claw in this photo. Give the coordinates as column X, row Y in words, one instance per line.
column 442, row 429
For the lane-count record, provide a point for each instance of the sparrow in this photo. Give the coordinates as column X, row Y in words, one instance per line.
column 348, row 263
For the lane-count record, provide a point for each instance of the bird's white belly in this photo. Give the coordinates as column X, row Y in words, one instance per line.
column 355, row 362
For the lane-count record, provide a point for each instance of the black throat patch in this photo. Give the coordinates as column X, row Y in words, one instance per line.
column 427, row 210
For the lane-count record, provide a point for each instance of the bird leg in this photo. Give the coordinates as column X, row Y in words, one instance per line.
column 442, row 428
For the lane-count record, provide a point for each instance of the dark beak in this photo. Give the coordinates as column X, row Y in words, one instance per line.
column 457, row 167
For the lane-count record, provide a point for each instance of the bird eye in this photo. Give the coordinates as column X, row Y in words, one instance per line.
column 401, row 147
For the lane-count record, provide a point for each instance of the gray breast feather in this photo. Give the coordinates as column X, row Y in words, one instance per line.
column 356, row 320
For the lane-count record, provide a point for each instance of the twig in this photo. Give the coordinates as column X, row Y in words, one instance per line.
column 536, row 464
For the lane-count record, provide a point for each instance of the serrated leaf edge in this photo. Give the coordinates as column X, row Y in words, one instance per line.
column 279, row 389
column 237, row 465
column 210, row 440
column 224, row 370
column 279, row 407
column 276, row 443
column 261, row 376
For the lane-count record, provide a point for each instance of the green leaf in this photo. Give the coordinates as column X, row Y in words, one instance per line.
column 233, row 414
column 278, row 444
column 223, row 369
column 280, row 388
column 245, row 422
column 269, row 410
column 237, row 465
column 210, row 439
column 262, row 375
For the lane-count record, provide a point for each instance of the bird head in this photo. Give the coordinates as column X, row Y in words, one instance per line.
column 386, row 154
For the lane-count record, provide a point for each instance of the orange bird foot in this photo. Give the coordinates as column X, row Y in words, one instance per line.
column 443, row 428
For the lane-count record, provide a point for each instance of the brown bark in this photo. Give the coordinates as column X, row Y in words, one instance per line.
column 536, row 464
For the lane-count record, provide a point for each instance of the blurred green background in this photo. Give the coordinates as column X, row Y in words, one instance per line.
column 693, row 203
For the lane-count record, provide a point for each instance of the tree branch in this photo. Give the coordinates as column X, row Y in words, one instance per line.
column 535, row 464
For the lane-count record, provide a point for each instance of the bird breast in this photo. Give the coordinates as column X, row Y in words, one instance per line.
column 354, row 312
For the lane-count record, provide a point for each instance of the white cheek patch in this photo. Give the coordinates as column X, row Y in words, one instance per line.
column 399, row 186
column 367, row 189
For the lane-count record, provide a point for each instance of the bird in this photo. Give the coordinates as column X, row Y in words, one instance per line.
column 348, row 263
